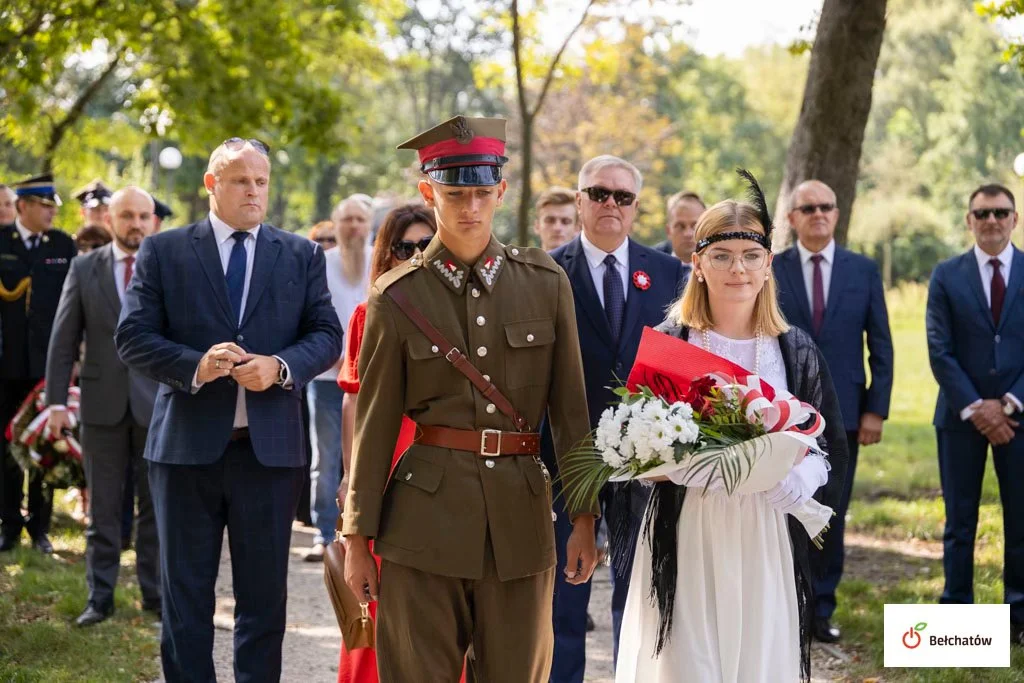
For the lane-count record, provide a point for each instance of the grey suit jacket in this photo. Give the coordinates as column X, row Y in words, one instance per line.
column 89, row 307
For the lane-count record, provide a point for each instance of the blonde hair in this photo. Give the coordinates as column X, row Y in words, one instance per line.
column 693, row 308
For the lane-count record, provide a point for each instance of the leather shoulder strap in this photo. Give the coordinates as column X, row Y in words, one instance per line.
column 458, row 359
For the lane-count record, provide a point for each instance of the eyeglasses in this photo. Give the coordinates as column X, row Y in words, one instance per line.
column 235, row 144
column 808, row 209
column 404, row 249
column 751, row 260
column 325, row 241
column 982, row 214
column 600, row 195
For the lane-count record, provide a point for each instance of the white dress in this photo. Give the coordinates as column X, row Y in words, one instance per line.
column 735, row 618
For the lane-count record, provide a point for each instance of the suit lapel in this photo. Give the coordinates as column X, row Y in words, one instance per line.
column 836, row 284
column 583, row 289
column 970, row 271
column 267, row 249
column 205, row 244
column 793, row 271
column 1014, row 286
column 103, row 275
column 634, row 295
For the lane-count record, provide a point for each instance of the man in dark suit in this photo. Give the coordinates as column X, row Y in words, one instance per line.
column 681, row 213
column 117, row 404
column 619, row 287
column 34, row 260
column 836, row 296
column 233, row 317
column 975, row 326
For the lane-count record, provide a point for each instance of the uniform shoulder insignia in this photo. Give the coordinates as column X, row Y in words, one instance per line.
column 397, row 273
column 533, row 256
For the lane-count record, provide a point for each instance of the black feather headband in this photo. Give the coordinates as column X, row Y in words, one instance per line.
column 756, row 197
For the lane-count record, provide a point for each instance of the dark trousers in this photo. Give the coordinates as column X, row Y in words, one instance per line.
column 108, row 450
column 12, row 479
column 827, row 563
column 194, row 504
column 962, row 456
column 569, row 606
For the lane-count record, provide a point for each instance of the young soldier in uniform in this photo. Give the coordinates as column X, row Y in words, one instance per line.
column 464, row 526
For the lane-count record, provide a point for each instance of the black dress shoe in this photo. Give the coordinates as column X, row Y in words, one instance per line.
column 92, row 615
column 9, row 542
column 825, row 632
column 43, row 545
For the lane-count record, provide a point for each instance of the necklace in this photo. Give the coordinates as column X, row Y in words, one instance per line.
column 706, row 342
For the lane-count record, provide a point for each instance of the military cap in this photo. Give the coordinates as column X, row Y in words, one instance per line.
column 40, row 188
column 462, row 151
column 161, row 210
column 94, row 194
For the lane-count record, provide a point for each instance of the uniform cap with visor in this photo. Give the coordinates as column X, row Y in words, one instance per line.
column 462, row 151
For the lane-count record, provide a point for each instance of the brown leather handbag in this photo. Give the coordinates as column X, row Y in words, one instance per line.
column 357, row 628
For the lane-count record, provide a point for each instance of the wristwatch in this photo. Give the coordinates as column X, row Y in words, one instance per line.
column 1008, row 407
column 282, row 373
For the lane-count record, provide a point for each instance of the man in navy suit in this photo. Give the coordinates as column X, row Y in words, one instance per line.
column 233, row 317
column 619, row 287
column 837, row 297
column 975, row 326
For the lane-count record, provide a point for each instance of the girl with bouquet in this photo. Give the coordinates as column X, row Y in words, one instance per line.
column 720, row 589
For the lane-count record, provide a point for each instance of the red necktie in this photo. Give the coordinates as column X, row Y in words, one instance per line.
column 129, row 262
column 817, row 295
column 998, row 290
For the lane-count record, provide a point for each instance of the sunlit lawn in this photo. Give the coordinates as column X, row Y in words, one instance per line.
column 897, row 497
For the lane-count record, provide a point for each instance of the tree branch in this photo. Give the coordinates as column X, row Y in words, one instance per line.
column 517, row 39
column 557, row 58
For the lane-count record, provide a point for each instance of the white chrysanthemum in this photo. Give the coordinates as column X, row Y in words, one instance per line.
column 683, row 428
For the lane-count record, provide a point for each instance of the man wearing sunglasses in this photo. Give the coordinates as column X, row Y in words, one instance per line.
column 837, row 297
column 463, row 528
column 34, row 261
column 233, row 317
column 975, row 326
column 619, row 286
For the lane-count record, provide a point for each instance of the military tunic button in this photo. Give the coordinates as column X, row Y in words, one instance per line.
column 491, row 408
column 434, row 349
column 487, row 377
column 482, row 351
column 529, row 337
column 475, row 292
column 489, row 463
column 408, row 476
column 515, row 252
column 481, row 321
column 553, row 516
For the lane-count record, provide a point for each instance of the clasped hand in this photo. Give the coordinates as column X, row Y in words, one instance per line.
column 994, row 425
column 250, row 370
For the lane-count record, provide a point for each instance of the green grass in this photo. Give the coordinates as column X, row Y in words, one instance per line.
column 39, row 599
column 897, row 500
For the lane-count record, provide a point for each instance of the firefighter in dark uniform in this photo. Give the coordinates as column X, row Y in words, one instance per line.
column 34, row 259
column 464, row 526
column 95, row 201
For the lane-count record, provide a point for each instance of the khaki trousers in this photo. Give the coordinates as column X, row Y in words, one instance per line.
column 426, row 623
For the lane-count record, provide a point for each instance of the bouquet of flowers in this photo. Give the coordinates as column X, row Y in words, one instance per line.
column 697, row 419
column 57, row 458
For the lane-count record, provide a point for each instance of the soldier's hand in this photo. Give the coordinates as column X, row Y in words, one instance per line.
column 360, row 568
column 258, row 373
column 58, row 421
column 581, row 551
column 219, row 361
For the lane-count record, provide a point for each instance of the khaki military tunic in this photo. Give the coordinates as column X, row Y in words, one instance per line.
column 512, row 314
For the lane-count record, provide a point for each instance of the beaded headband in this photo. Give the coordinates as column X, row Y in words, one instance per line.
column 756, row 197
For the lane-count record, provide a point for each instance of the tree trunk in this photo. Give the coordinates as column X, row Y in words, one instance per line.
column 525, row 189
column 326, row 184
column 826, row 144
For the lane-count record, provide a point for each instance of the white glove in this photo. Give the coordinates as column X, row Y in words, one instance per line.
column 799, row 485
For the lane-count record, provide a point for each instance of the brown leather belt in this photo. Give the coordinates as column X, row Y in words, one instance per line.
column 487, row 443
column 239, row 434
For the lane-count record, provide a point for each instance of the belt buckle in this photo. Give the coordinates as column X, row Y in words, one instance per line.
column 483, row 442
column 452, row 355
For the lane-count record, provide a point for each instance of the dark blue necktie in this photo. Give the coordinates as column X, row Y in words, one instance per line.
column 235, row 275
column 33, row 242
column 614, row 297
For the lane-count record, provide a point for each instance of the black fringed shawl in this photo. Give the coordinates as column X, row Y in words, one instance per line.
column 809, row 380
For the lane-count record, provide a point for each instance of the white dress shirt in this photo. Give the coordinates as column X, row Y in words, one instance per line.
column 25, row 233
column 119, row 267
column 807, row 267
column 595, row 259
column 986, row 271
column 344, row 295
column 222, row 232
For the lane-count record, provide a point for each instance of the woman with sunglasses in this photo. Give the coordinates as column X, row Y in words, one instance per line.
column 407, row 230
column 729, row 600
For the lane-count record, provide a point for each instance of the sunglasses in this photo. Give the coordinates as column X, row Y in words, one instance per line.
column 600, row 195
column 982, row 214
column 808, row 209
column 326, row 240
column 235, row 144
column 404, row 249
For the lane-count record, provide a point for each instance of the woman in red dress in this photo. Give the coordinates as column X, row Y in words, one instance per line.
column 406, row 230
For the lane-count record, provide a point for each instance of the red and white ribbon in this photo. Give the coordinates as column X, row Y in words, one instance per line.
column 783, row 414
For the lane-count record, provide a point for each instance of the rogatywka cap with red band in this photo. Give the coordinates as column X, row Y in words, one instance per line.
column 462, row 151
